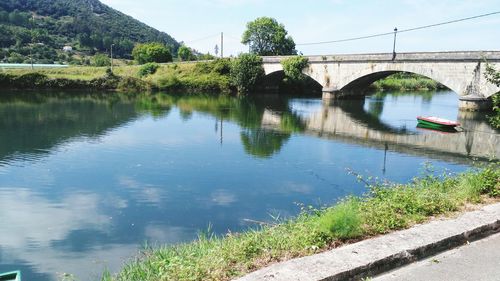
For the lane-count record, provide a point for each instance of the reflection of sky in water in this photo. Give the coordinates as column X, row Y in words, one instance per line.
column 90, row 202
column 401, row 110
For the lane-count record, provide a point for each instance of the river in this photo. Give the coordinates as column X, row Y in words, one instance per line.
column 87, row 179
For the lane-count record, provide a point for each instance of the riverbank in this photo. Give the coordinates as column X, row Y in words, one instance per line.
column 173, row 77
column 195, row 77
column 387, row 207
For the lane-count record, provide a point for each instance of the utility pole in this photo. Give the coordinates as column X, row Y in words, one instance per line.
column 112, row 57
column 394, row 46
column 222, row 44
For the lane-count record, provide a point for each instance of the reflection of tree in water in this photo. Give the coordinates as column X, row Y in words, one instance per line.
column 153, row 106
column 376, row 107
column 263, row 143
column 247, row 112
column 32, row 124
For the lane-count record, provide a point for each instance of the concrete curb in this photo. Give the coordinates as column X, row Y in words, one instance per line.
column 380, row 254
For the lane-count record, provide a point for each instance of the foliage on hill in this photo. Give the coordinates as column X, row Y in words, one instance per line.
column 46, row 26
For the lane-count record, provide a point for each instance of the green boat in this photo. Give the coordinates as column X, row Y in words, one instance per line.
column 11, row 276
column 436, row 123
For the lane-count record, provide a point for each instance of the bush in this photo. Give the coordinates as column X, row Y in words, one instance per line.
column 293, row 67
column 129, row 84
column 218, row 66
column 494, row 77
column 246, row 70
column 151, row 52
column 148, row 69
column 31, row 80
column 101, row 60
column 185, row 54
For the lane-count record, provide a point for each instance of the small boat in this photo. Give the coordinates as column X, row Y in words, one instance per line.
column 11, row 276
column 437, row 123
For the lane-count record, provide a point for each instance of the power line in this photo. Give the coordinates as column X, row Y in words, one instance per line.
column 399, row 31
column 204, row 38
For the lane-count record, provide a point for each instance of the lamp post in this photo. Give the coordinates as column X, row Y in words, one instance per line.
column 112, row 45
column 394, row 46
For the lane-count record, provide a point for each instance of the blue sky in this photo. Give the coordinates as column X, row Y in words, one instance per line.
column 324, row 20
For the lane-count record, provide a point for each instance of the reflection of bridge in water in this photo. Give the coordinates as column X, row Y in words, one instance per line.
column 348, row 122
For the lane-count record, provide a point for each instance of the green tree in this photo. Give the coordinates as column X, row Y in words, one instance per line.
column 494, row 77
column 185, row 54
column 151, row 52
column 293, row 67
column 101, row 60
column 6, row 37
column 267, row 37
column 246, row 70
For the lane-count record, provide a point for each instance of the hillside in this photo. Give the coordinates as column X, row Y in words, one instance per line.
column 88, row 26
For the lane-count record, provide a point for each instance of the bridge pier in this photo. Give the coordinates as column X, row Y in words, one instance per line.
column 474, row 103
column 330, row 94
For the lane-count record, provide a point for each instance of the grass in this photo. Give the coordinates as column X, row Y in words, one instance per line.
column 387, row 207
column 174, row 77
column 407, row 82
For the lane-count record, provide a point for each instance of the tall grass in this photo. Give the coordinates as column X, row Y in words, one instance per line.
column 407, row 82
column 384, row 208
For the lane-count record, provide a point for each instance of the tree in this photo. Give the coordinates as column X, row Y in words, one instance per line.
column 246, row 70
column 185, row 54
column 267, row 37
column 151, row 52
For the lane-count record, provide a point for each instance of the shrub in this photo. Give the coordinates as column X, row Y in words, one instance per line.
column 246, row 70
column 132, row 84
column 293, row 67
column 219, row 66
column 148, row 69
column 101, row 60
column 31, row 80
column 494, row 77
column 151, row 52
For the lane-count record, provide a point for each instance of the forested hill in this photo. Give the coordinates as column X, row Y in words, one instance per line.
column 88, row 26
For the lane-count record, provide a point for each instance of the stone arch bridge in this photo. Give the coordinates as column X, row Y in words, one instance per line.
column 348, row 75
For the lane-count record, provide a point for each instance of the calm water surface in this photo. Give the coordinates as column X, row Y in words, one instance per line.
column 85, row 180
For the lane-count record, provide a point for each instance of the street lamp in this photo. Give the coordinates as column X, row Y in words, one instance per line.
column 112, row 45
column 394, row 46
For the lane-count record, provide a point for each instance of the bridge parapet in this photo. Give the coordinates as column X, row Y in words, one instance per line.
column 462, row 56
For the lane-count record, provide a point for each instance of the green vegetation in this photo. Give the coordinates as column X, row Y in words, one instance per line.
column 267, row 37
column 494, row 77
column 407, row 82
column 246, row 70
column 88, row 26
column 293, row 67
column 385, row 208
column 101, row 60
column 151, row 52
column 148, row 69
column 185, row 54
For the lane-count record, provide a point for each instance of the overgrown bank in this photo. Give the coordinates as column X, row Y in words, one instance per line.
column 385, row 208
column 407, row 82
column 242, row 74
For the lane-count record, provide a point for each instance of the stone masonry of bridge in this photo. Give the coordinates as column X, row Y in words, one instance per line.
column 348, row 75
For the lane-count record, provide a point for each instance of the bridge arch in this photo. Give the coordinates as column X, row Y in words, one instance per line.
column 360, row 80
column 272, row 80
